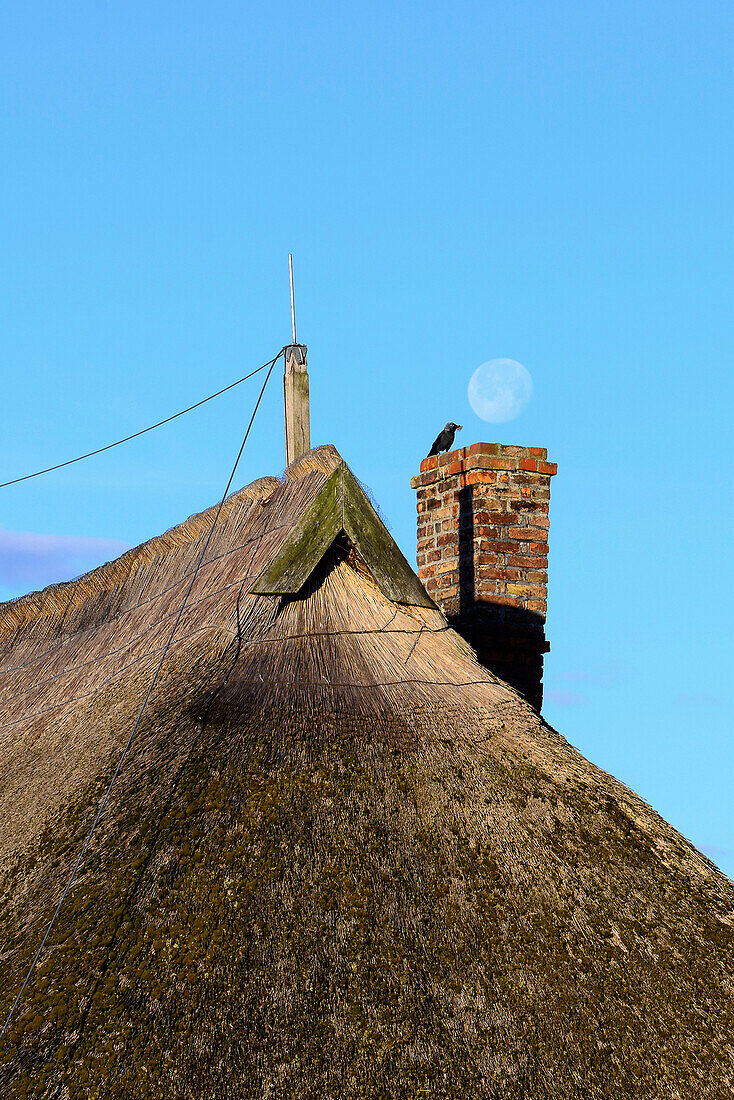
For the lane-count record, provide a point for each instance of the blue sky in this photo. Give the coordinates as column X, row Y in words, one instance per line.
column 546, row 182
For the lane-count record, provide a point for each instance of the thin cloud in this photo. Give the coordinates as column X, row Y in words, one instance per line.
column 601, row 676
column 564, row 698
column 698, row 700
column 29, row 560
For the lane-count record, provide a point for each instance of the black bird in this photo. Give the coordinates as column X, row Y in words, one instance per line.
column 445, row 439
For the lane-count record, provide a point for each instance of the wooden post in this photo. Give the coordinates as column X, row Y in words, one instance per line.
column 295, row 398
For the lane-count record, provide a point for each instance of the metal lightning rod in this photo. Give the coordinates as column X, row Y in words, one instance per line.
column 295, row 390
column 293, row 300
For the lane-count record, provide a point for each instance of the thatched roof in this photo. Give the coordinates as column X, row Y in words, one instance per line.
column 342, row 859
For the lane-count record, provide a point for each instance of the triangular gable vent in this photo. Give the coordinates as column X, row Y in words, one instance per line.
column 341, row 506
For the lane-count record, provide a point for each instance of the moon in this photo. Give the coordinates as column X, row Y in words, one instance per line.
column 499, row 390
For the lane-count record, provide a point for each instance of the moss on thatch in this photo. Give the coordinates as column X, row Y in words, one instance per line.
column 342, row 508
column 342, row 859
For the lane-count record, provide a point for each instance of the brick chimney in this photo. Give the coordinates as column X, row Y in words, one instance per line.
column 483, row 553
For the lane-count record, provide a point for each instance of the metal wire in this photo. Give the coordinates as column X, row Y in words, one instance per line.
column 70, row 669
column 331, row 684
column 89, row 454
column 153, row 682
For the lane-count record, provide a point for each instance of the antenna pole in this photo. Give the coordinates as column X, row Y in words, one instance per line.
column 295, row 391
column 293, row 300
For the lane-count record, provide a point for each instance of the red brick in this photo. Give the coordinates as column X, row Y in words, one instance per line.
column 538, row 452
column 480, row 477
column 537, row 605
column 495, row 574
column 434, row 555
column 537, row 548
column 428, row 571
column 478, row 462
column 488, row 501
column 483, row 449
column 529, row 562
column 500, row 546
column 547, row 467
column 523, row 477
column 495, row 516
column 500, row 520
column 528, row 464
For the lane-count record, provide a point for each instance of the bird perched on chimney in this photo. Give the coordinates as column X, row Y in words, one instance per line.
column 445, row 439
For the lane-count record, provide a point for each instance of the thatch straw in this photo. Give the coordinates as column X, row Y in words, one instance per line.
column 343, row 858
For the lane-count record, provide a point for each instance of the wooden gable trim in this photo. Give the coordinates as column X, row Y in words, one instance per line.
column 342, row 505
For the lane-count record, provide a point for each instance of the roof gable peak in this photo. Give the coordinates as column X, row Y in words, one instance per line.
column 341, row 506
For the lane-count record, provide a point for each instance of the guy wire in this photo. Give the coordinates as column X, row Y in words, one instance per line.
column 103, row 804
column 160, row 423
